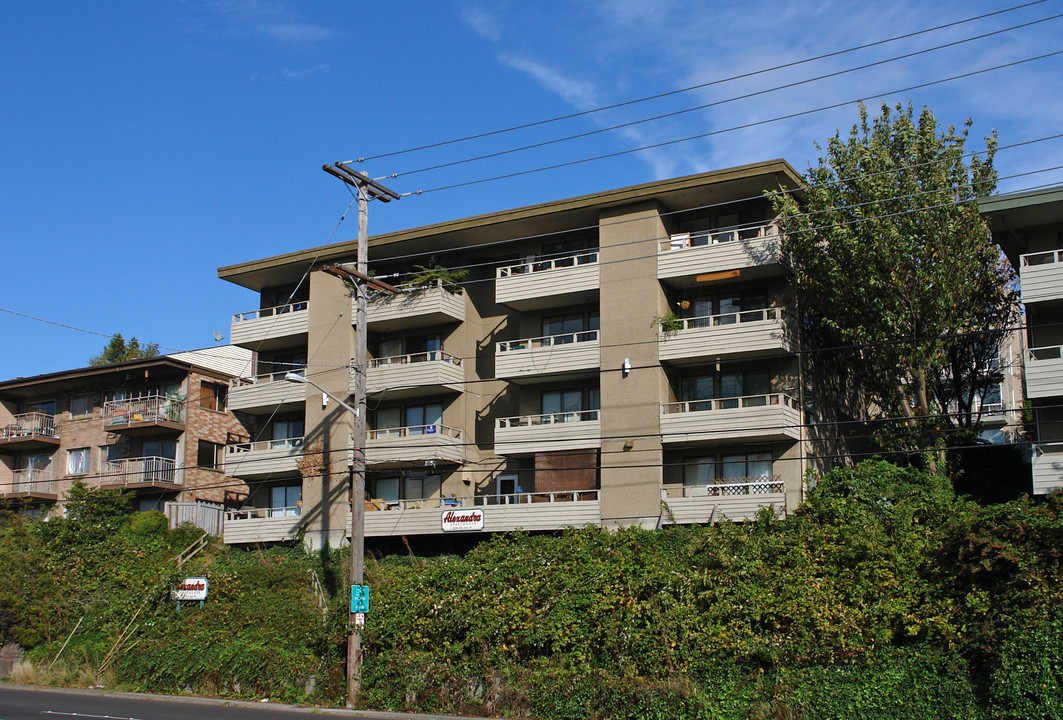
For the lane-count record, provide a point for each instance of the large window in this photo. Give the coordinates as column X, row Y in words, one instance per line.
column 212, row 396
column 209, row 455
column 285, row 500
column 286, row 432
column 564, row 328
column 725, row 469
column 726, row 386
column 77, row 461
column 415, row 419
column 570, row 405
column 45, row 407
column 81, row 405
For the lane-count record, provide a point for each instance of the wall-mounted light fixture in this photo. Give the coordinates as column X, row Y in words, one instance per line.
column 626, row 367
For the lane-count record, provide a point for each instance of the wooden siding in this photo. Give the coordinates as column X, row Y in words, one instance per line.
column 397, row 449
column 521, row 290
column 770, row 423
column 430, row 376
column 241, row 531
column 497, row 518
column 422, row 307
column 734, row 255
column 1047, row 468
column 528, row 439
column 1041, row 276
column 548, row 360
column 258, row 332
column 264, row 462
column 749, row 339
column 263, row 394
column 1044, row 378
column 701, row 510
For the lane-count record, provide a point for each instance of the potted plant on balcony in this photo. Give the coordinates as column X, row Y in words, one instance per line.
column 669, row 323
column 427, row 276
column 683, row 304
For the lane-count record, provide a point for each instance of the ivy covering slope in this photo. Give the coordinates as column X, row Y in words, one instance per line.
column 885, row 596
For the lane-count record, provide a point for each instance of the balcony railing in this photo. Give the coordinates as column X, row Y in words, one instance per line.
column 1041, row 258
column 1041, row 276
column 702, row 238
column 734, row 318
column 484, row 500
column 547, row 341
column 257, row 512
column 727, row 487
column 270, row 312
column 261, row 525
column 141, row 471
column 685, row 255
column 545, row 264
column 547, row 419
column 265, row 392
column 28, row 425
column 430, row 356
column 729, row 403
column 148, row 409
column 259, row 380
column 30, row 481
column 263, row 445
column 414, row 431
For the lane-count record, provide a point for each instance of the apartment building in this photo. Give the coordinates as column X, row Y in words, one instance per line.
column 622, row 358
column 157, row 426
column 1028, row 226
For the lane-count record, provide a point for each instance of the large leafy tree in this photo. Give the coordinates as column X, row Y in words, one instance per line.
column 905, row 299
column 118, row 350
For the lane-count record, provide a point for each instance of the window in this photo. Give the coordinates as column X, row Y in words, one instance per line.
column 285, row 500
column 699, row 471
column 35, row 462
column 77, row 461
column 740, row 467
column 286, row 432
column 423, row 419
column 565, row 328
column 109, row 454
column 570, row 405
column 45, row 407
column 208, row 455
column 212, row 396
column 81, row 405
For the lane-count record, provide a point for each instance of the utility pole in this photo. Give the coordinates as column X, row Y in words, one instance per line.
column 367, row 189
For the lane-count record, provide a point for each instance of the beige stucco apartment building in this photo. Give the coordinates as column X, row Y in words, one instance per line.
column 622, row 358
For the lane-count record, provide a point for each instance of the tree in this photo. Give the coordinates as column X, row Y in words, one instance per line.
column 904, row 296
column 118, row 350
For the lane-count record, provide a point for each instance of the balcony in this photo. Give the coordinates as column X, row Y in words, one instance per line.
column 1047, row 468
column 501, row 513
column 38, row 483
column 1041, row 276
column 749, row 334
column 735, row 499
column 142, row 472
column 685, row 256
column 261, row 525
column 414, row 307
column 540, row 284
column 265, row 458
column 32, row 431
column 770, row 418
column 529, row 434
column 1044, row 372
column 144, row 415
column 266, row 393
column 395, row 447
column 546, row 358
column 404, row 376
column 271, row 328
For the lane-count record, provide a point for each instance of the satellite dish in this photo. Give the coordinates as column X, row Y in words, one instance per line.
column 218, row 337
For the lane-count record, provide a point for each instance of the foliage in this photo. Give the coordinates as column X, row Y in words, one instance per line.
column 117, row 350
column 895, row 263
column 450, row 279
column 669, row 323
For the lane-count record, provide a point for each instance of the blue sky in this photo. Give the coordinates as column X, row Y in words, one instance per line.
column 145, row 144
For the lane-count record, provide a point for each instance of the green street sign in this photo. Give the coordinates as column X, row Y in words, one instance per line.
column 359, row 598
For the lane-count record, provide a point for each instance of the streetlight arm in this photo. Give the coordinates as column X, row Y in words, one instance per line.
column 297, row 378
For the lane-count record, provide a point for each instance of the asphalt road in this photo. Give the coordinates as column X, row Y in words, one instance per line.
column 19, row 702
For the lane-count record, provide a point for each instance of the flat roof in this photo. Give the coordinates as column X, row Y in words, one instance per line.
column 686, row 192
column 20, row 387
column 1029, row 208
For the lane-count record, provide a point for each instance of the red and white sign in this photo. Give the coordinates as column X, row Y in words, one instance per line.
column 462, row 519
column 193, row 588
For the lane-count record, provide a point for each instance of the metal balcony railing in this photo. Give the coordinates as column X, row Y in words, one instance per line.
column 150, row 408
column 729, row 403
column 535, row 265
column 30, row 480
column 28, row 425
column 135, row 471
column 547, row 341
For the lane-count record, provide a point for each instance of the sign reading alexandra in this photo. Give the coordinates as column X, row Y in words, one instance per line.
column 193, row 588
column 462, row 519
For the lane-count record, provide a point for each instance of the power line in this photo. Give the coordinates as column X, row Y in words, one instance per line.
column 700, row 86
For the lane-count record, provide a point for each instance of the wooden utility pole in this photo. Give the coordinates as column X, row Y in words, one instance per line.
column 367, row 190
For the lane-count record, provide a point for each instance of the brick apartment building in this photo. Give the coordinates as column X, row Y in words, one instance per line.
column 156, row 426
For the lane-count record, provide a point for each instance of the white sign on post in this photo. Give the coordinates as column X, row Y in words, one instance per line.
column 462, row 519
column 193, row 588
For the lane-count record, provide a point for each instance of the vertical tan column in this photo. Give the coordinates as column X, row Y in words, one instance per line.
column 631, row 297
column 330, row 347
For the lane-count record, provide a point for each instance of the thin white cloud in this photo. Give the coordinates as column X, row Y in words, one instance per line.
column 483, row 23
column 274, row 19
column 578, row 93
column 293, row 74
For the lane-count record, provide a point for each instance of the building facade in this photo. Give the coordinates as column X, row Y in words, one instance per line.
column 1028, row 226
column 623, row 358
column 157, row 426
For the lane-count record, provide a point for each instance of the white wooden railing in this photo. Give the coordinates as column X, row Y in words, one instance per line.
column 1048, row 257
column 29, row 424
column 547, row 341
column 128, row 471
column 150, row 408
column 30, row 480
column 414, row 431
column 429, row 356
column 733, row 318
column 700, row 238
column 263, row 379
column 484, row 500
column 269, row 312
column 548, row 419
column 729, row 403
column 271, row 512
column 726, row 487
column 1045, row 353
column 542, row 264
column 259, row 445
